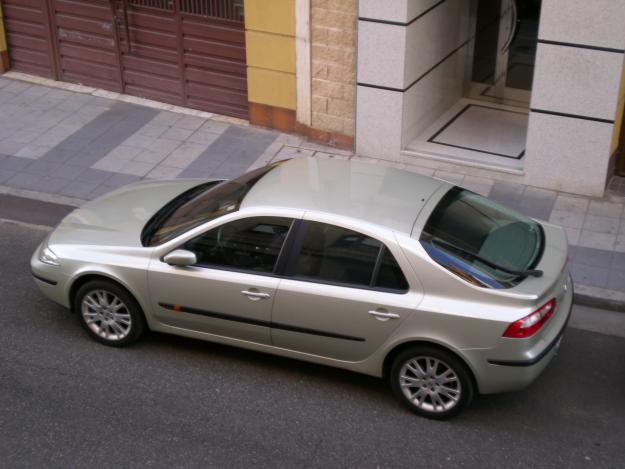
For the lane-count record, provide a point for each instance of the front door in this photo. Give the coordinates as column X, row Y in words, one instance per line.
column 230, row 290
column 342, row 296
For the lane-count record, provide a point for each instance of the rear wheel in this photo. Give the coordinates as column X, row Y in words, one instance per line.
column 431, row 382
column 109, row 313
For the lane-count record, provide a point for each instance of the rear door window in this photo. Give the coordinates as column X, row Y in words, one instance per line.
column 331, row 254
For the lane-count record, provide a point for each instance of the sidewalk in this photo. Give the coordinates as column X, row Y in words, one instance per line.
column 72, row 146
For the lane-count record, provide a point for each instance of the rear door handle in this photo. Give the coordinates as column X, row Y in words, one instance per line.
column 255, row 294
column 383, row 316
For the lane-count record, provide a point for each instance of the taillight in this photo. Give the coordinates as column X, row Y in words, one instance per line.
column 530, row 324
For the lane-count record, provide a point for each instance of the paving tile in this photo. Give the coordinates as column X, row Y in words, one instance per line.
column 138, row 140
column 506, row 193
column 287, row 153
column 6, row 174
column 601, row 224
column 10, row 148
column 41, row 168
column 567, row 219
column 214, row 126
column 123, row 152
column 568, row 203
column 33, row 151
column 24, row 136
column 536, row 202
column 110, row 164
column 13, row 163
column 618, row 261
column 166, row 118
column 184, row 155
column 164, row 172
column 203, row 137
column 424, row 171
column 92, row 175
column 52, row 185
column 164, row 146
column 136, row 168
column 616, row 280
column 24, row 181
column 175, row 133
column 450, row 177
column 572, row 235
column 619, row 246
column 17, row 86
column 605, row 209
column 189, row 123
column 59, row 155
column 591, row 276
column 152, row 130
column 119, row 180
column 593, row 257
column 149, row 156
column 67, row 171
column 78, row 189
column 592, row 239
column 101, row 190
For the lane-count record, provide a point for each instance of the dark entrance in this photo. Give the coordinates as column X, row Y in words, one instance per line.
column 184, row 52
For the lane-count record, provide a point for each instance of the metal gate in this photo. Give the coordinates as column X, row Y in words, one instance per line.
column 185, row 52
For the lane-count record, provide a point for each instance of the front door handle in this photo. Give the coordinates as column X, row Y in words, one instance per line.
column 255, row 294
column 383, row 315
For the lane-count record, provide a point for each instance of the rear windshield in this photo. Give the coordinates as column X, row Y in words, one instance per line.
column 196, row 207
column 482, row 241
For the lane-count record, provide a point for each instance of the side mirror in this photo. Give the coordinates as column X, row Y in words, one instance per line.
column 180, row 258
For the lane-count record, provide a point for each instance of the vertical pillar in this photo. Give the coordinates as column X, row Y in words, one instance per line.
column 270, row 55
column 4, row 53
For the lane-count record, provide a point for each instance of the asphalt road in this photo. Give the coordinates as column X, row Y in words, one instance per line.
column 66, row 401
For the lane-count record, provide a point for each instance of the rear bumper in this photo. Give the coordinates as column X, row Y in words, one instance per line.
column 498, row 375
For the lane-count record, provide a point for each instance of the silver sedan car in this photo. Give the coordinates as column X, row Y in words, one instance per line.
column 357, row 266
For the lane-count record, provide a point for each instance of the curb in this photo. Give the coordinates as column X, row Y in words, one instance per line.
column 600, row 298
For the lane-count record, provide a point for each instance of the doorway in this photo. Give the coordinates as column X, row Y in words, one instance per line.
column 487, row 122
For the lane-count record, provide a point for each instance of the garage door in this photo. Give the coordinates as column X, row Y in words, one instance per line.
column 185, row 52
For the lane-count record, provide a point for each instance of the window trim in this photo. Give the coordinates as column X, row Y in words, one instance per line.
column 296, row 248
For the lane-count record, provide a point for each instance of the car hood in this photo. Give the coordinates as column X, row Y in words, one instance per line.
column 117, row 218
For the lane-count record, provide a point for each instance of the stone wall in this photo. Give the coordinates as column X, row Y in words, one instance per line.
column 333, row 67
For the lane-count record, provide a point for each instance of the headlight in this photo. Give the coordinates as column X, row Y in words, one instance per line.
column 48, row 257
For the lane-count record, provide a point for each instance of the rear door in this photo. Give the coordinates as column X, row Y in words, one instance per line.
column 230, row 291
column 343, row 293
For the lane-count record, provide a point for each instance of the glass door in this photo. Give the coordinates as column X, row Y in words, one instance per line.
column 505, row 50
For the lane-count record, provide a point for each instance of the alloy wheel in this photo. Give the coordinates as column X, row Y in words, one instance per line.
column 430, row 384
column 106, row 315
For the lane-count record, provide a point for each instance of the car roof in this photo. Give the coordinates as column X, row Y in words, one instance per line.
column 374, row 193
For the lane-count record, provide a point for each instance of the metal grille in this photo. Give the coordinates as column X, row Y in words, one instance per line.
column 225, row 9
column 160, row 4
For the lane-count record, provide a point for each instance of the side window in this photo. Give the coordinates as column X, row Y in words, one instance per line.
column 251, row 244
column 338, row 255
column 390, row 276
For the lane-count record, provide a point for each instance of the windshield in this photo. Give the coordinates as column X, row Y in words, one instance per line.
column 482, row 241
column 186, row 212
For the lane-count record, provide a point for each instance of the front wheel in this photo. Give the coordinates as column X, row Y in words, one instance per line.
column 431, row 382
column 109, row 313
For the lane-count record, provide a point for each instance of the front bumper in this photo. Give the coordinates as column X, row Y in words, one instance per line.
column 50, row 279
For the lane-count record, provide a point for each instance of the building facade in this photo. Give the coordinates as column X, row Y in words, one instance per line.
column 528, row 91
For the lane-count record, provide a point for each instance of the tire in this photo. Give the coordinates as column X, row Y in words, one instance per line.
column 417, row 377
column 108, row 313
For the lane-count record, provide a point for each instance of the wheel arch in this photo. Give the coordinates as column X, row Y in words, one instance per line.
column 85, row 277
column 399, row 348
